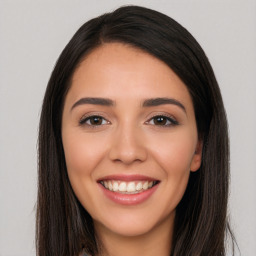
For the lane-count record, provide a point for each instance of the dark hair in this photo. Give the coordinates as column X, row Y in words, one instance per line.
column 63, row 226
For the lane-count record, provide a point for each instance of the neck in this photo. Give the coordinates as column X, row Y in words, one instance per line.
column 155, row 242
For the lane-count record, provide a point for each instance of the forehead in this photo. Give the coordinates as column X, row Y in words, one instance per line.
column 116, row 70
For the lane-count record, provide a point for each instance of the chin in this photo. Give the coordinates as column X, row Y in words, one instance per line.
column 132, row 225
column 127, row 230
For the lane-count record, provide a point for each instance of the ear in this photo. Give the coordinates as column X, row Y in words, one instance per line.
column 197, row 158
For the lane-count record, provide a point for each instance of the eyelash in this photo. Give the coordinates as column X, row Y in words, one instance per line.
column 90, row 118
column 168, row 121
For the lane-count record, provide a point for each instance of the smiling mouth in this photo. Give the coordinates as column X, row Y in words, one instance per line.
column 131, row 187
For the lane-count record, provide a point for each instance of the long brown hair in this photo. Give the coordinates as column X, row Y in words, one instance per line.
column 63, row 226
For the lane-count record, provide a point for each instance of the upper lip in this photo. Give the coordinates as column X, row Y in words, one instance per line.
column 125, row 177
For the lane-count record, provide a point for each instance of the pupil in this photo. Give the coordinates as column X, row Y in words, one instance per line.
column 96, row 120
column 160, row 120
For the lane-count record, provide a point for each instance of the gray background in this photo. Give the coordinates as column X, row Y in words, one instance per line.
column 32, row 35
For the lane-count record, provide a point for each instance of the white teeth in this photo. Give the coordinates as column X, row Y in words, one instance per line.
column 110, row 187
column 105, row 184
column 145, row 185
column 139, row 186
column 122, row 187
column 128, row 187
column 131, row 187
column 115, row 186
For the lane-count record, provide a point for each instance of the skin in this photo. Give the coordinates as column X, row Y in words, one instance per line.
column 128, row 140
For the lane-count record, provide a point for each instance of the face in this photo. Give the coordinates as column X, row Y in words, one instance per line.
column 130, row 139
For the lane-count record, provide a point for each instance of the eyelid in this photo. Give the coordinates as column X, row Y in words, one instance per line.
column 170, row 118
column 173, row 121
column 84, row 118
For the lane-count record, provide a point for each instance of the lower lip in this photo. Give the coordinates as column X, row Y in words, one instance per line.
column 129, row 199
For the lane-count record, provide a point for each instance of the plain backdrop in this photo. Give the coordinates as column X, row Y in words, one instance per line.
column 32, row 35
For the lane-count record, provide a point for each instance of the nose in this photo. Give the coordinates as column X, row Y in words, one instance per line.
column 128, row 146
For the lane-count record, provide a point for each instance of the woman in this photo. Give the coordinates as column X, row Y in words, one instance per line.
column 133, row 143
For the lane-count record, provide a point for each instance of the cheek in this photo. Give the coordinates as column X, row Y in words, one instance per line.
column 174, row 152
column 82, row 154
column 174, row 155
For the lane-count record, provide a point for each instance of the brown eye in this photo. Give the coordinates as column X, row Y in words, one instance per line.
column 162, row 121
column 94, row 120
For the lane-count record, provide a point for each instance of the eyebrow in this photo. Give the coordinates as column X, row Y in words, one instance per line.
column 93, row 101
column 147, row 103
column 162, row 101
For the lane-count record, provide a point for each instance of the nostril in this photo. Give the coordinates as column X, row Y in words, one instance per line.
column 128, row 155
